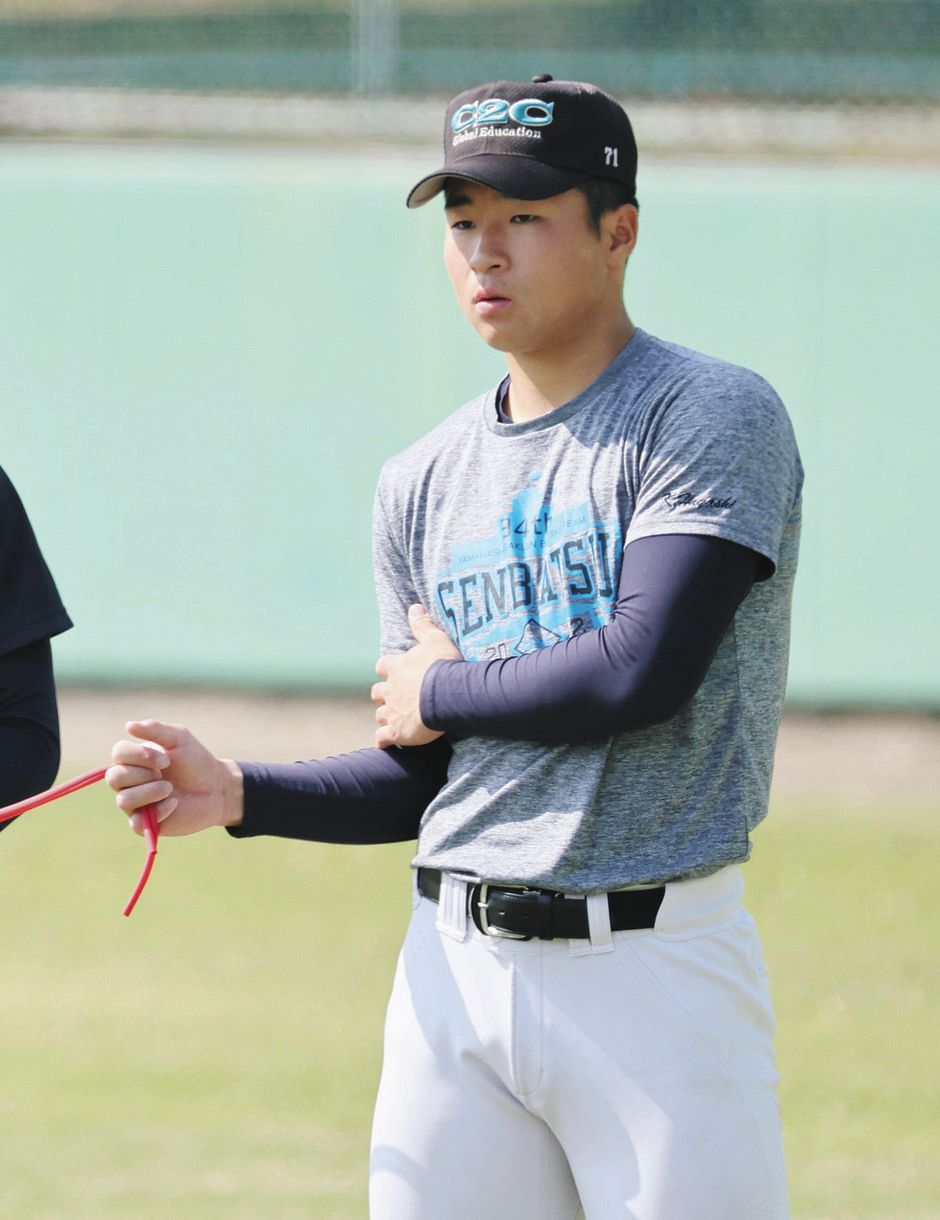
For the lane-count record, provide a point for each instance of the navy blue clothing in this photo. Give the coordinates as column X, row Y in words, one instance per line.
column 30, row 606
column 368, row 796
column 676, row 599
column 29, row 723
column 31, row 612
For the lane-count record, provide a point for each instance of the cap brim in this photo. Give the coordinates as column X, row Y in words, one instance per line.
column 518, row 177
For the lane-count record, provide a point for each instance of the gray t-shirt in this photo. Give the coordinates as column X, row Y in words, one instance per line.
column 512, row 536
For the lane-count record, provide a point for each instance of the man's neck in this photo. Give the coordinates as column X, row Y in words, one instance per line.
column 540, row 383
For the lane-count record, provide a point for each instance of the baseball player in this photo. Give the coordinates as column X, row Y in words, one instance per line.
column 31, row 612
column 584, row 577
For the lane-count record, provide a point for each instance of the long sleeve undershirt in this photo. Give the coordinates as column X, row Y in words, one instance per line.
column 677, row 597
column 368, row 796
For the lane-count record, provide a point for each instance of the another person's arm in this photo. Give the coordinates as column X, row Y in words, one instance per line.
column 29, row 723
column 31, row 612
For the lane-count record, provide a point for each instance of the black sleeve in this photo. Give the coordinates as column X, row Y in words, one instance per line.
column 676, row 599
column 368, row 796
column 30, row 606
column 29, row 723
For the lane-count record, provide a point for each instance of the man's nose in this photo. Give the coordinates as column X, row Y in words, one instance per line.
column 489, row 252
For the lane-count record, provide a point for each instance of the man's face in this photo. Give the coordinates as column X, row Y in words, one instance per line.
column 531, row 276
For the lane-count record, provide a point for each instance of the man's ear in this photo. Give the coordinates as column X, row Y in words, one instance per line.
column 621, row 229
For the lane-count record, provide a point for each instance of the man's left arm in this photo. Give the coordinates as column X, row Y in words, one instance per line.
column 677, row 597
column 719, row 481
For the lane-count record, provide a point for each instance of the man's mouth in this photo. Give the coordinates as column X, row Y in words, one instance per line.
column 487, row 302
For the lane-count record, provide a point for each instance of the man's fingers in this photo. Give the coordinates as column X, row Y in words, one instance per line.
column 164, row 809
column 120, row 777
column 131, row 799
column 387, row 735
column 378, row 692
column 170, row 736
column 421, row 624
column 383, row 666
column 384, row 737
column 140, row 754
column 427, row 632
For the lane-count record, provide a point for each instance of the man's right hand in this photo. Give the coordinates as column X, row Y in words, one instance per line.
column 164, row 765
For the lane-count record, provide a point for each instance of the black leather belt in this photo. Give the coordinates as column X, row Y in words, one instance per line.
column 520, row 913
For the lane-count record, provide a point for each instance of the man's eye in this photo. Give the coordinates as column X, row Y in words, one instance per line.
column 461, row 225
column 522, row 218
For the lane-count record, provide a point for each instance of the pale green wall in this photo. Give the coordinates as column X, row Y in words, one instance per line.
column 205, row 354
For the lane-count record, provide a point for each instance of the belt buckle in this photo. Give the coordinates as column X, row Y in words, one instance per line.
column 489, row 929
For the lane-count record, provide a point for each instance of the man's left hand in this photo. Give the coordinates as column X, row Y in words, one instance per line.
column 398, row 713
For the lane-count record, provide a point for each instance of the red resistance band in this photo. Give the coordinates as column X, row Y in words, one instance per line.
column 148, row 813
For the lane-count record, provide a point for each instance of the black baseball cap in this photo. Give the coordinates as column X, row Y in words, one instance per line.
column 533, row 139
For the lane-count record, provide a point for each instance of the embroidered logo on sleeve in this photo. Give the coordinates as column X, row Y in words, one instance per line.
column 686, row 499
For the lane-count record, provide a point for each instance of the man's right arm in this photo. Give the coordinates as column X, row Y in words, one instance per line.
column 367, row 796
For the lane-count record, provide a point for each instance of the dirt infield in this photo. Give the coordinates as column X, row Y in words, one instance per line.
column 857, row 757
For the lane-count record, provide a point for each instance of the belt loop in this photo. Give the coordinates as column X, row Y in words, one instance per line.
column 598, row 913
column 452, row 908
column 602, row 941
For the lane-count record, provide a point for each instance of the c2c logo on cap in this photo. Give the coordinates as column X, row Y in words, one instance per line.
column 528, row 112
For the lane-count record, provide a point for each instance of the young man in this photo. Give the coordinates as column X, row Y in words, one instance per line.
column 580, row 1018
column 31, row 612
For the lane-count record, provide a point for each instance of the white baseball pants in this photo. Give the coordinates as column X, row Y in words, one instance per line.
column 629, row 1076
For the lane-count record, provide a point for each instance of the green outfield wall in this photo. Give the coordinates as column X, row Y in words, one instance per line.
column 206, row 353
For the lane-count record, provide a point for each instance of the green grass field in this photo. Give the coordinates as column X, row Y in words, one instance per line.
column 216, row 1054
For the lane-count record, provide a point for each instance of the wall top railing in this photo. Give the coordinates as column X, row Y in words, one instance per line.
column 812, row 50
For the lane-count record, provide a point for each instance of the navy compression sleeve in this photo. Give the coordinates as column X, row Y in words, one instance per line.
column 368, row 796
column 676, row 599
column 29, row 723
